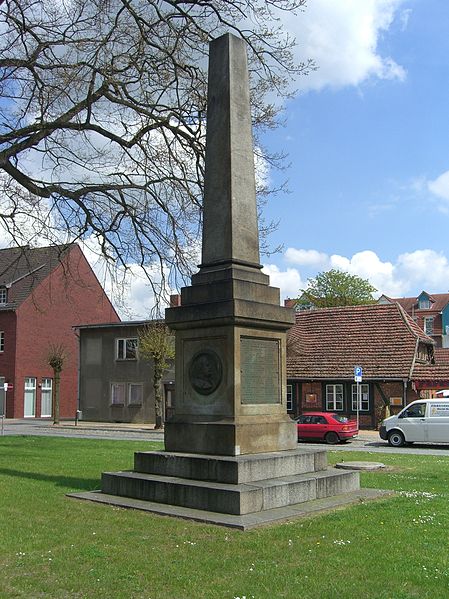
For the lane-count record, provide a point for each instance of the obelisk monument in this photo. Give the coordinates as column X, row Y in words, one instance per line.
column 230, row 328
column 231, row 454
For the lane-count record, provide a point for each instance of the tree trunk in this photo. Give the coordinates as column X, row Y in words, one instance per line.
column 157, row 394
column 55, row 396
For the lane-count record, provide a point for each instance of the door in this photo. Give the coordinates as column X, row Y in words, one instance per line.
column 412, row 421
column 29, row 403
column 46, row 398
column 2, row 397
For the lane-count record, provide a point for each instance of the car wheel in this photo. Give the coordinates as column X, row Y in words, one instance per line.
column 332, row 438
column 396, row 439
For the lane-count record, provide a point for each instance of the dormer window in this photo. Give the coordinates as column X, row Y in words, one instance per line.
column 3, row 295
column 424, row 303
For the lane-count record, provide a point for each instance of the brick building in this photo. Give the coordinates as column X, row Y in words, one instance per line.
column 399, row 361
column 44, row 292
column 429, row 311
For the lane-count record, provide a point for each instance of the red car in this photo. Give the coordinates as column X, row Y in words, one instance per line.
column 326, row 426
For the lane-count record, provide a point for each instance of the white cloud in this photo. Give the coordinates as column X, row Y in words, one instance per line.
column 440, row 186
column 289, row 281
column 306, row 257
column 407, row 275
column 343, row 39
column 425, row 269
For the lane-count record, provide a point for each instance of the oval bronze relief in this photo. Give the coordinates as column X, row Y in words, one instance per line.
column 205, row 372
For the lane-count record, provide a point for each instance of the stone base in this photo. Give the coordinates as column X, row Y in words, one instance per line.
column 244, row 522
column 231, row 439
column 233, row 485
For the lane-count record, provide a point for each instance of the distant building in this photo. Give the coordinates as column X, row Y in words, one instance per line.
column 429, row 311
column 399, row 361
column 44, row 292
column 115, row 384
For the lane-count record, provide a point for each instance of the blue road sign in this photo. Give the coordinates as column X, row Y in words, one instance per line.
column 358, row 371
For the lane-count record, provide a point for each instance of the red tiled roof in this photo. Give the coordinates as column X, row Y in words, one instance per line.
column 23, row 268
column 442, row 355
column 438, row 302
column 328, row 343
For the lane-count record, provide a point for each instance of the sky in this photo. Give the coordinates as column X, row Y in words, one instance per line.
column 367, row 138
column 368, row 143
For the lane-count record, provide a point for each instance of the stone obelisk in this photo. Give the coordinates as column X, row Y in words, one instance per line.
column 230, row 450
column 230, row 328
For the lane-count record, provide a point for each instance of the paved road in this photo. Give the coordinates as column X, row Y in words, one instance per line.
column 368, row 441
column 83, row 430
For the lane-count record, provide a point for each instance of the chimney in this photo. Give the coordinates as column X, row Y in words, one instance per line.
column 175, row 300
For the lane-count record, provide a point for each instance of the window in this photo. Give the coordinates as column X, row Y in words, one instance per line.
column 127, row 349
column 29, row 408
column 364, row 398
column 289, row 398
column 424, row 303
column 118, row 394
column 428, row 325
column 334, row 397
column 46, row 399
column 2, row 341
column 3, row 295
column 135, row 394
column 417, row 410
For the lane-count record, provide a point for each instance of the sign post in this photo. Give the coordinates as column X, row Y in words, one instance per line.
column 358, row 374
column 5, row 389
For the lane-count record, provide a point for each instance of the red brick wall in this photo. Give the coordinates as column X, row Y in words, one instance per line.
column 7, row 358
column 69, row 296
column 308, row 390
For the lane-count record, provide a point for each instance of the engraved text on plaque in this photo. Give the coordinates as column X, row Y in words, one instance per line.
column 260, row 371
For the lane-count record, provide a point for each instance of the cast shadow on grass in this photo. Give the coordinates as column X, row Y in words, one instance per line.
column 69, row 483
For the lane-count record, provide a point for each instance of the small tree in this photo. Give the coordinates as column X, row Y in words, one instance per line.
column 156, row 343
column 56, row 359
column 337, row 288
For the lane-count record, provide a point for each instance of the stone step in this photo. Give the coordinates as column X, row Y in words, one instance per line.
column 231, row 469
column 243, row 498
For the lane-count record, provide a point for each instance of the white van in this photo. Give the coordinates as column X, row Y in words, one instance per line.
column 422, row 421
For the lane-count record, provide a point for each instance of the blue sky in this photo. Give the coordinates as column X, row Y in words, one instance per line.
column 368, row 141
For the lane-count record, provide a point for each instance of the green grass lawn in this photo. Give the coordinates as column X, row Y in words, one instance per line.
column 53, row 546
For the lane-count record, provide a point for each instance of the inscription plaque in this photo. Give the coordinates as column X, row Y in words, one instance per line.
column 260, row 371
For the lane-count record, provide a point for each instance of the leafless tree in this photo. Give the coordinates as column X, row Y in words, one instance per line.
column 56, row 358
column 156, row 344
column 102, row 117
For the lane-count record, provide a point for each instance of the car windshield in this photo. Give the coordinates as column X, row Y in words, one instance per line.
column 339, row 418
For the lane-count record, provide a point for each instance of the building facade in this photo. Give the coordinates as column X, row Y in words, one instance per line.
column 397, row 360
column 44, row 292
column 115, row 383
column 429, row 311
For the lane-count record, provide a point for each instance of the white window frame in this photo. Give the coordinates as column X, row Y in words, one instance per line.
column 30, row 385
column 2, row 341
column 429, row 320
column 126, row 348
column 424, row 304
column 335, row 397
column 3, row 296
column 289, row 398
column 364, row 397
column 45, row 388
column 130, row 387
column 118, row 401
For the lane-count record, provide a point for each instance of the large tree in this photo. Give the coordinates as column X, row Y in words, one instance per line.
column 337, row 288
column 102, row 117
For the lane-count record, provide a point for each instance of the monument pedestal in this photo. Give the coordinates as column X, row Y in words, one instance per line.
column 231, row 438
